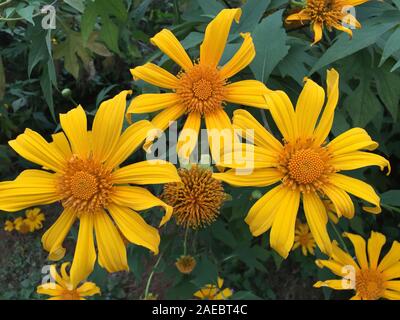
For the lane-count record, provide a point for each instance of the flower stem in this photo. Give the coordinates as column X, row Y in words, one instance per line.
column 146, row 291
column 185, row 241
column 339, row 236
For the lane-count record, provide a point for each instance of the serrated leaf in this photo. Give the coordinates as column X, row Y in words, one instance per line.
column 269, row 38
column 362, row 38
column 88, row 20
column 392, row 45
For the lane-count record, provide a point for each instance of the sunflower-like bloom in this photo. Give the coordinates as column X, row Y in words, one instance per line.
column 328, row 13
column 201, row 88
column 304, row 166
column 35, row 218
column 370, row 278
column 9, row 226
column 23, row 225
column 185, row 264
column 82, row 169
column 63, row 289
column 303, row 238
column 214, row 292
column 196, row 200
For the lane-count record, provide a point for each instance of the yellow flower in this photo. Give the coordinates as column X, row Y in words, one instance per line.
column 305, row 167
column 201, row 88
column 64, row 289
column 185, row 264
column 22, row 225
column 303, row 238
column 330, row 209
column 369, row 279
column 82, row 169
column 213, row 292
column 9, row 226
column 197, row 199
column 35, row 217
column 331, row 13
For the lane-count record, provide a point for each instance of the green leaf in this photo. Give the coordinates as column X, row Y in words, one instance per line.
column 388, row 85
column 2, row 79
column 205, row 272
column 76, row 4
column 244, row 295
column 210, row 7
column 88, row 20
column 109, row 34
column 392, row 45
column 391, row 198
column 362, row 105
column 397, row 3
column 27, row 13
column 47, row 88
column 269, row 38
column 252, row 11
column 219, row 232
column 362, row 38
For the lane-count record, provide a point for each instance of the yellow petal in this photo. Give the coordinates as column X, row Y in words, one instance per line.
column 317, row 28
column 129, row 141
column 30, row 188
column 162, row 121
column 147, row 172
column 350, row 141
column 50, row 289
column 88, row 289
column 359, row 159
column 300, row 16
column 283, row 114
column 134, row 228
column 257, row 178
column 139, row 199
column 325, row 123
column 317, row 219
column 341, row 200
column 333, row 284
column 308, row 108
column 60, row 141
column 248, row 93
column 282, row 232
column 151, row 102
column 53, row 238
column 391, row 295
column 375, row 244
column 243, row 120
column 393, row 285
column 391, row 258
column 216, row 35
column 188, row 136
column 169, row 44
column 107, row 125
column 261, row 215
column 360, row 249
column 85, row 254
column 247, row 156
column 242, row 58
column 359, row 189
column 337, row 268
column 33, row 147
column 342, row 257
column 355, row 2
column 74, row 125
column 112, row 250
column 155, row 75
column 393, row 272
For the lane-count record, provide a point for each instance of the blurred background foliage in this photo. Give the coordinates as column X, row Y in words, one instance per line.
column 86, row 58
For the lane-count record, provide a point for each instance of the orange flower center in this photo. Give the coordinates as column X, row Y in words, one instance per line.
column 201, row 89
column 24, row 227
column 85, row 186
column 369, row 284
column 304, row 165
column 328, row 11
column 70, row 295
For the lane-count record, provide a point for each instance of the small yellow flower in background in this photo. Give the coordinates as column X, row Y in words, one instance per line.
column 185, row 264
column 330, row 209
column 197, row 199
column 329, row 14
column 64, row 289
column 201, row 88
column 213, row 292
column 370, row 278
column 35, row 217
column 305, row 167
column 9, row 226
column 22, row 225
column 82, row 169
column 303, row 238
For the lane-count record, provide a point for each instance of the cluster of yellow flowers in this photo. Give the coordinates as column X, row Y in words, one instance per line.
column 84, row 170
column 32, row 221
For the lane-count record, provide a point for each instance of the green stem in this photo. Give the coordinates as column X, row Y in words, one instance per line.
column 185, row 242
column 146, row 291
column 339, row 236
